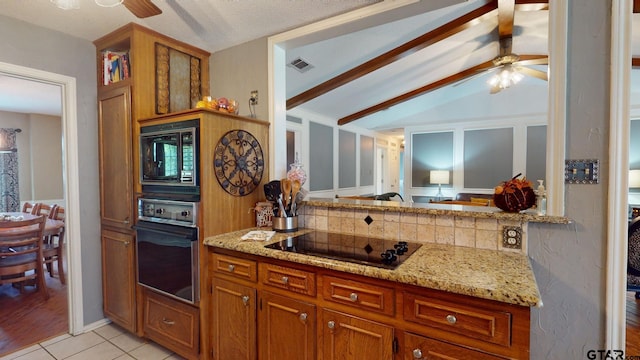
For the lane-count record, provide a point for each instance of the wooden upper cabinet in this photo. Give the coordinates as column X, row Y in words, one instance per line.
column 164, row 75
column 116, row 184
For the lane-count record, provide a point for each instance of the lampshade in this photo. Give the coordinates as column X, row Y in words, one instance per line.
column 439, row 177
column 108, row 3
column 634, row 178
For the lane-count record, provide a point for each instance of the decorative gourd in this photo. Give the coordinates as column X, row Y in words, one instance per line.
column 514, row 195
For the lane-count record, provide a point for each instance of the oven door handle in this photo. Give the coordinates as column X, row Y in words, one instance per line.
column 187, row 233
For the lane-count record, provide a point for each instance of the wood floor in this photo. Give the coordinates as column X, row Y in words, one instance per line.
column 27, row 319
column 633, row 326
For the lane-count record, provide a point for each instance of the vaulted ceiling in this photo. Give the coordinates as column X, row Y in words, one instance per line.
column 401, row 73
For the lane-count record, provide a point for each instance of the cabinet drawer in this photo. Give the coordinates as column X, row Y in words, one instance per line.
column 294, row 280
column 234, row 267
column 488, row 325
column 423, row 348
column 172, row 324
column 364, row 296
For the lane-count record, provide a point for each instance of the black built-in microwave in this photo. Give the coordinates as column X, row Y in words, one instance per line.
column 169, row 159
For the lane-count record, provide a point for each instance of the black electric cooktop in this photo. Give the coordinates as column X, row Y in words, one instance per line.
column 388, row 254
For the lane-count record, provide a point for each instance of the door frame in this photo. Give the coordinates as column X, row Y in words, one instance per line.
column 617, row 216
column 71, row 184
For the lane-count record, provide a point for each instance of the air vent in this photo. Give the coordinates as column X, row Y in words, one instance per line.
column 301, row 65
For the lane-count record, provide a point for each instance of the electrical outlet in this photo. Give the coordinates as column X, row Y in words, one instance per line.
column 254, row 97
column 512, row 237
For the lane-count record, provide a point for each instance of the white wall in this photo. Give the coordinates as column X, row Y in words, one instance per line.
column 39, row 154
column 35, row 47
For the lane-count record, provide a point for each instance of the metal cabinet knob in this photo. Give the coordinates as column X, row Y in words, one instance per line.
column 167, row 321
column 353, row 297
column 417, row 354
column 331, row 324
column 303, row 317
column 245, row 300
column 451, row 319
column 231, row 267
column 285, row 280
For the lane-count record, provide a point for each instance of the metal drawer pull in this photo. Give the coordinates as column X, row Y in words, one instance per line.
column 353, row 297
column 303, row 317
column 331, row 324
column 451, row 319
column 285, row 280
column 245, row 300
column 231, row 267
column 168, row 322
column 417, row 354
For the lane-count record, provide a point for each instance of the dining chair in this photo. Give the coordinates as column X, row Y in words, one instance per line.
column 21, row 258
column 31, row 208
column 53, row 246
column 43, row 209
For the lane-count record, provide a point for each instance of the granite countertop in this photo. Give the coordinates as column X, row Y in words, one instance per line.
column 435, row 209
column 488, row 274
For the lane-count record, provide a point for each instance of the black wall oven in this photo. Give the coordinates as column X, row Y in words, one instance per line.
column 169, row 158
column 167, row 248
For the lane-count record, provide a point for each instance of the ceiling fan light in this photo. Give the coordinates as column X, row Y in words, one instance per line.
column 67, row 4
column 108, row 3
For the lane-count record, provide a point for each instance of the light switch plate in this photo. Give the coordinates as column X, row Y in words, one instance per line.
column 512, row 237
column 585, row 171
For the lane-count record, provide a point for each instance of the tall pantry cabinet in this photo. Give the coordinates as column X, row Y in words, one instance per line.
column 136, row 75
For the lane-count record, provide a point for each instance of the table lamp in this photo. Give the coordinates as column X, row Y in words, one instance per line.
column 439, row 177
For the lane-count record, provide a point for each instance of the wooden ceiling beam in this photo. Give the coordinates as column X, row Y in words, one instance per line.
column 636, row 6
column 449, row 80
column 635, row 62
column 408, row 48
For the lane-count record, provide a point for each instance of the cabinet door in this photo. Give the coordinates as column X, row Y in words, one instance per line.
column 119, row 279
column 116, row 182
column 233, row 312
column 346, row 337
column 287, row 328
column 422, row 348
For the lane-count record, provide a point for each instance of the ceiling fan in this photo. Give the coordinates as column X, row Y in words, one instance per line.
column 510, row 69
column 139, row 8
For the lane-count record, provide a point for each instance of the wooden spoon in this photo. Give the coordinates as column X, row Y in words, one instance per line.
column 286, row 191
column 295, row 188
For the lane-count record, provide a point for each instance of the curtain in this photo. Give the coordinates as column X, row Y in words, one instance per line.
column 9, row 191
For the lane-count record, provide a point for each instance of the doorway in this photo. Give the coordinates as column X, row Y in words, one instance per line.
column 381, row 169
column 71, row 178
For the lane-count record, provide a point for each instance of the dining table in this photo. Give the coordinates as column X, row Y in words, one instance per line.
column 51, row 226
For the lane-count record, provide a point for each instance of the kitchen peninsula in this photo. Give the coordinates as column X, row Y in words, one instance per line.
column 460, row 294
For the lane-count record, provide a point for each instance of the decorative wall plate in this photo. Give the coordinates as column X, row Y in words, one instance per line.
column 238, row 162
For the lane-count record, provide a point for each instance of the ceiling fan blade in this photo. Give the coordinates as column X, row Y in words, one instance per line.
column 540, row 61
column 142, row 8
column 534, row 73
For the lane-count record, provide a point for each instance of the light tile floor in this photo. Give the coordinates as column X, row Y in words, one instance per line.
column 105, row 343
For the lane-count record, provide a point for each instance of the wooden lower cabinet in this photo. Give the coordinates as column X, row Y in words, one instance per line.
column 172, row 324
column 286, row 328
column 233, row 332
column 347, row 337
column 119, row 278
column 418, row 347
column 271, row 309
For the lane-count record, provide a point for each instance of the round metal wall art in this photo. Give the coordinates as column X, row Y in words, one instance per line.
column 238, row 162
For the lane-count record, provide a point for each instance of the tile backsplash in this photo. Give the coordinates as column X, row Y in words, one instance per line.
column 484, row 233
